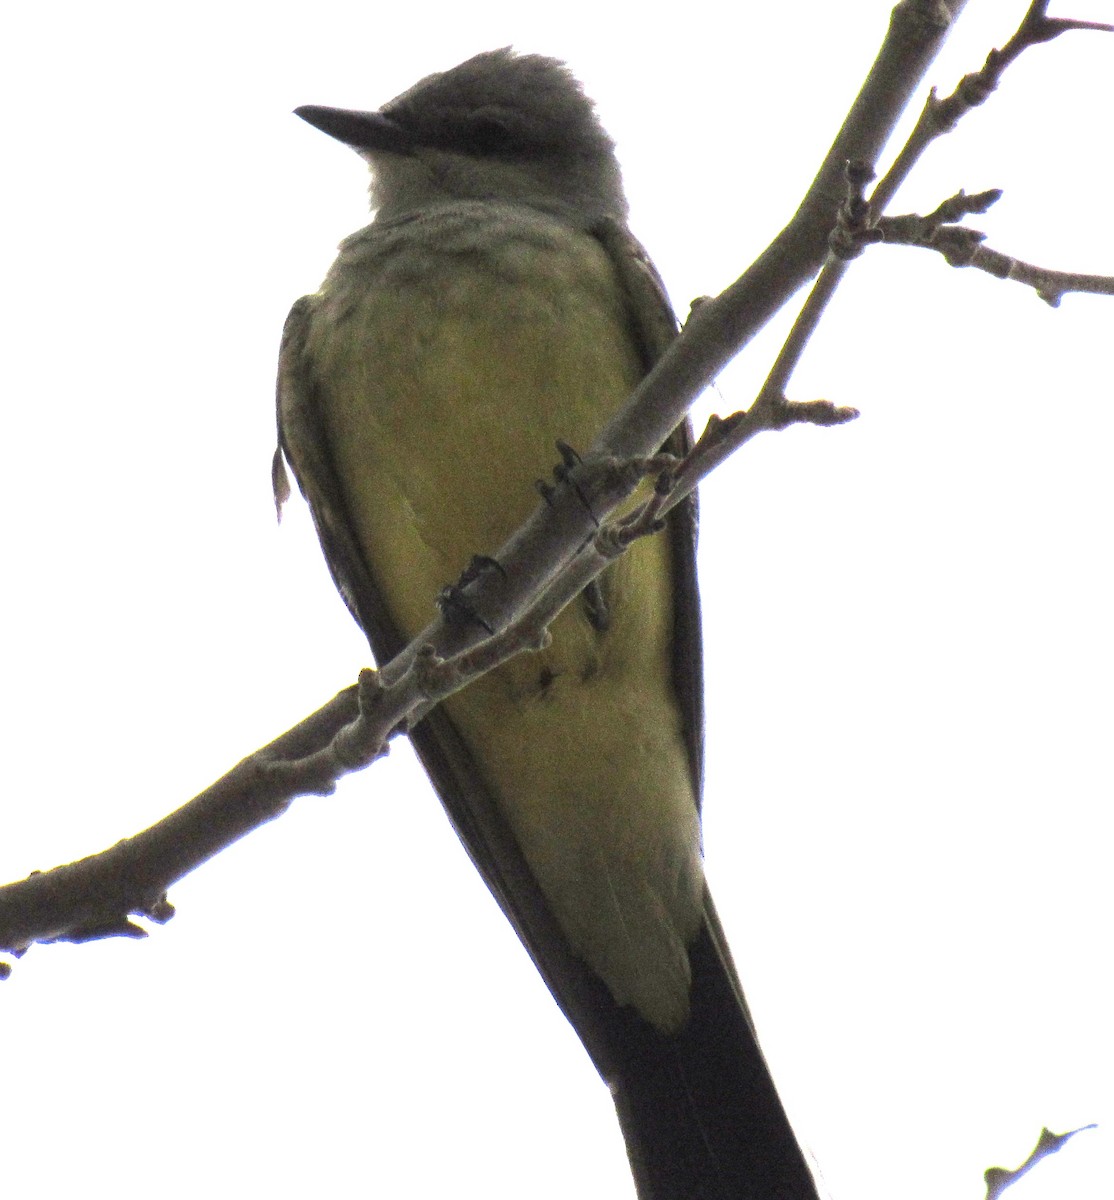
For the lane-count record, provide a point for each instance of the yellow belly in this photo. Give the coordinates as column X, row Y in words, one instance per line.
column 447, row 366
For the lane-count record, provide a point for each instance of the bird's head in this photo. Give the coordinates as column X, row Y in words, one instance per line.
column 502, row 126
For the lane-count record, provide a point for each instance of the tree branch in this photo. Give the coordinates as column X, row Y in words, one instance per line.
column 544, row 564
column 95, row 896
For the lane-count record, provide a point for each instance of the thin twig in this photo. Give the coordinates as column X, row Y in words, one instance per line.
column 941, row 116
column 997, row 1179
column 858, row 225
column 963, row 247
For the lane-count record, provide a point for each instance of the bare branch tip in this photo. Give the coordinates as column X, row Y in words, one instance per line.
column 858, row 173
column 717, row 426
column 432, row 672
column 980, row 202
column 820, row 412
column 1052, row 27
column 160, row 911
column 112, row 927
column 369, row 688
column 998, row 1179
column 694, row 304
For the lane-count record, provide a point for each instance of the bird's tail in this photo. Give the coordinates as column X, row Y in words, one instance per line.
column 698, row 1109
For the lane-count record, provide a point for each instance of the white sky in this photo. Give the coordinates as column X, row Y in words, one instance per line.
column 907, row 625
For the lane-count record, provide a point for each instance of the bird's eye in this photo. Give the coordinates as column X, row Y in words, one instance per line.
column 490, row 135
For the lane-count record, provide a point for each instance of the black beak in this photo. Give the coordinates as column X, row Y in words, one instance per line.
column 361, row 130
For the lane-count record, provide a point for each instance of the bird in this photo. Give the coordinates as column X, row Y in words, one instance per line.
column 497, row 303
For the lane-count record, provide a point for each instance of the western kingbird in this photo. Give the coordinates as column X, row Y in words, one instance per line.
column 496, row 303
